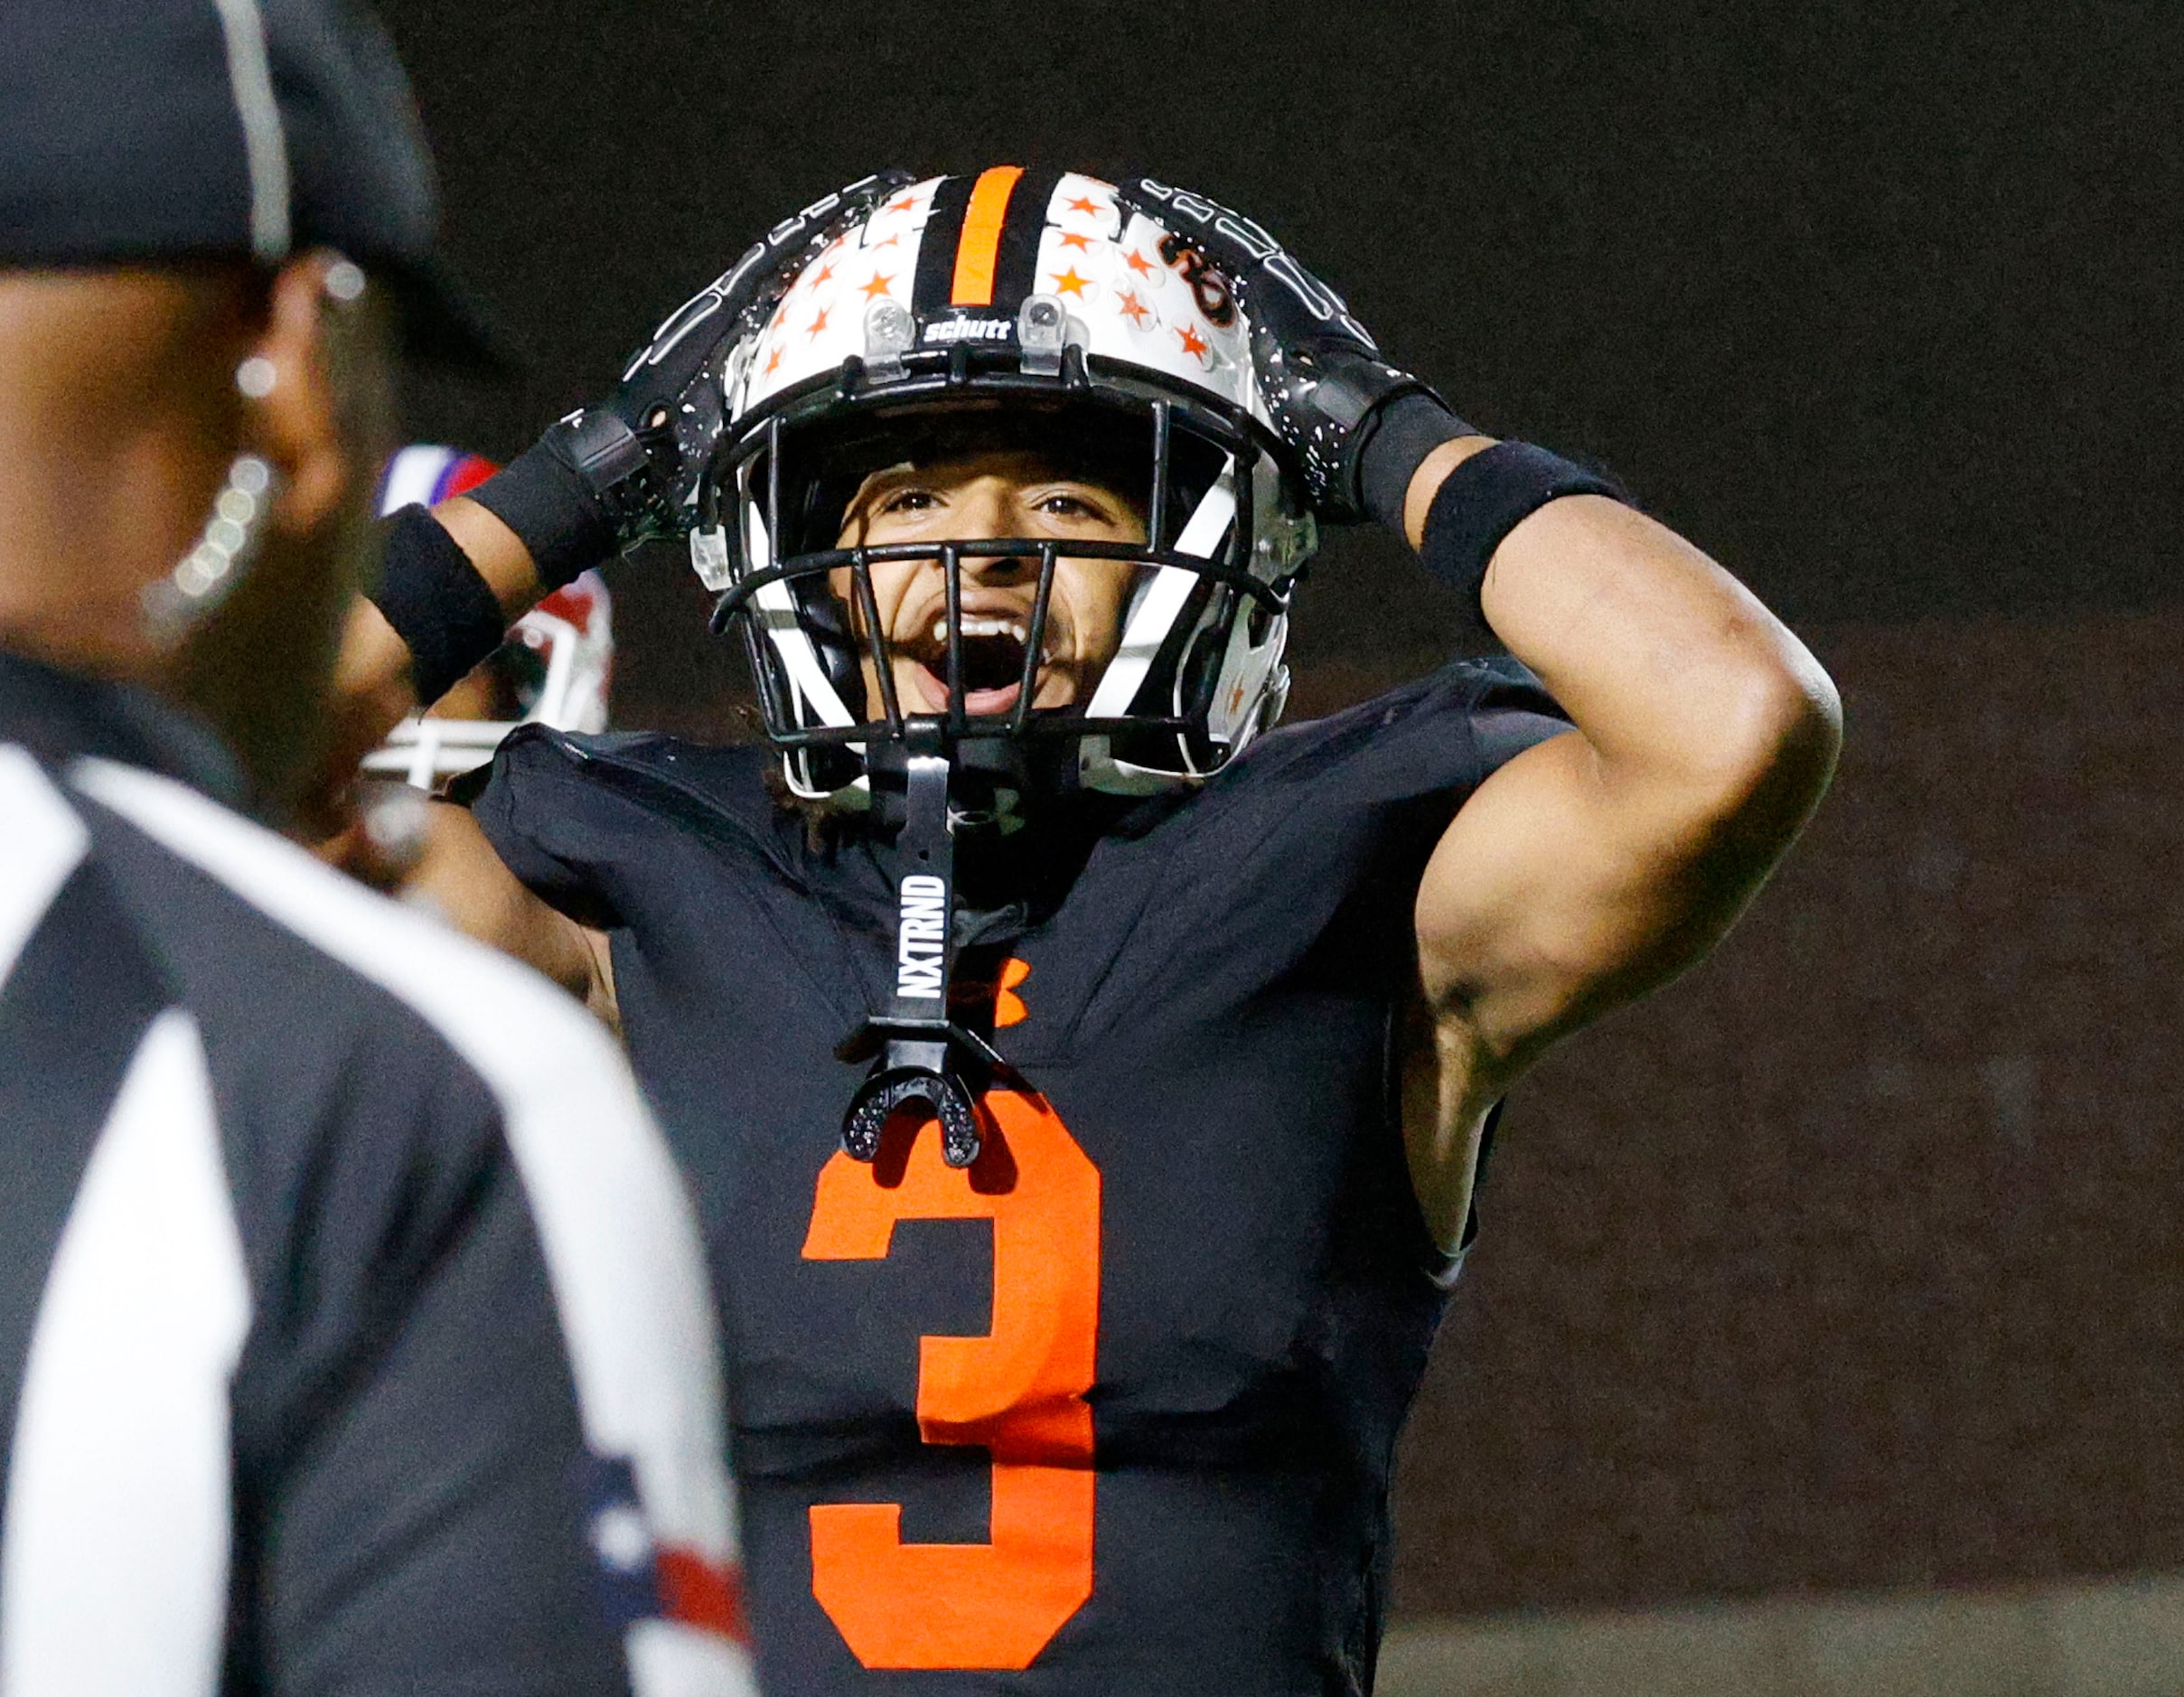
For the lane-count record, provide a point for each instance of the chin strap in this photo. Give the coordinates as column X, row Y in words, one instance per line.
column 922, row 1056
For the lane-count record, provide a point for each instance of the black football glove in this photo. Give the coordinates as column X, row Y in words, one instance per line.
column 1359, row 425
column 615, row 474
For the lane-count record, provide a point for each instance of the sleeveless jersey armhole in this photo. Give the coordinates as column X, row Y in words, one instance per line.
column 1442, row 1266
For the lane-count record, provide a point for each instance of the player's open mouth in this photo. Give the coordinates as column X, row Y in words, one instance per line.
column 993, row 661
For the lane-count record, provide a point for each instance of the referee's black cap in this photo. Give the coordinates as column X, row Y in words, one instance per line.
column 150, row 131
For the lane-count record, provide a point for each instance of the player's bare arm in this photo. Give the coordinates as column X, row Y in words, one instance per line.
column 375, row 683
column 1595, row 866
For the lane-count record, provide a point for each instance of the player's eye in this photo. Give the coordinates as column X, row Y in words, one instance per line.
column 1059, row 503
column 909, row 501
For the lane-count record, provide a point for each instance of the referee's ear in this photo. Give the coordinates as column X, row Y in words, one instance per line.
column 318, row 391
column 317, row 386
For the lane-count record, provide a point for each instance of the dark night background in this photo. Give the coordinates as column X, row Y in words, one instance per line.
column 1877, row 303
column 1855, row 1259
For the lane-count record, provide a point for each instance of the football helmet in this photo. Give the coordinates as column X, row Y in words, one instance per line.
column 1007, row 308
column 554, row 668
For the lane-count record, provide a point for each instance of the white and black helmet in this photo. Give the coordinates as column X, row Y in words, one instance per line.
column 1049, row 310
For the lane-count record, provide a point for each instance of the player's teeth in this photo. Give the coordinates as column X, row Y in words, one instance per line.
column 980, row 626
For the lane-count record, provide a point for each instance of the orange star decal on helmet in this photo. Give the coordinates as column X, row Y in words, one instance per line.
column 1070, row 283
column 1083, row 244
column 773, row 364
column 819, row 323
column 1089, row 207
column 1133, row 309
column 908, row 204
column 826, row 275
column 1138, row 263
column 1193, row 344
column 876, row 287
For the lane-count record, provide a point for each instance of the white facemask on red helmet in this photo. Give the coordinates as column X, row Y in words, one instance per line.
column 554, row 669
column 1007, row 301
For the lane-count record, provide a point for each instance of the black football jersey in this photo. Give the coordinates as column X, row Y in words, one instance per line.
column 1114, row 1408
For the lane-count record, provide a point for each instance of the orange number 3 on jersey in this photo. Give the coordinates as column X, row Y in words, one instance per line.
column 1019, row 1392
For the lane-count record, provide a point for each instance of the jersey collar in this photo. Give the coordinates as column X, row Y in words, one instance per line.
column 60, row 715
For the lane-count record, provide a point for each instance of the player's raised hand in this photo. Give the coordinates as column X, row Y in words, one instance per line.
column 622, row 471
column 670, row 395
column 1329, row 391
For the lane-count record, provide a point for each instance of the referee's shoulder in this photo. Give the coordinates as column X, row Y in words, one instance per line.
column 189, row 864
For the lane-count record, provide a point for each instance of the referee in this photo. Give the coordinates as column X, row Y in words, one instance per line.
column 353, row 1331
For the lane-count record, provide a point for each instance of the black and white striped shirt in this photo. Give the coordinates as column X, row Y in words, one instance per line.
column 353, row 1332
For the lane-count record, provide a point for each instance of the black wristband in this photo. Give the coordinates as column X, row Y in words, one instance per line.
column 437, row 602
column 554, row 510
column 1409, row 428
column 1488, row 496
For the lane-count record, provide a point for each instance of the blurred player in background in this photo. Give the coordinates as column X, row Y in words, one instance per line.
column 354, row 1334
column 1033, row 1017
column 554, row 669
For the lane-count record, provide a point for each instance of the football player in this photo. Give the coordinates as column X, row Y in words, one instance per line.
column 1034, row 1034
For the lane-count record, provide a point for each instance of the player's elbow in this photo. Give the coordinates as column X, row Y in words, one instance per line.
column 1771, row 752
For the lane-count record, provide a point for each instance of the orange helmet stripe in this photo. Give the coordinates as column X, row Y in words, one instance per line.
column 981, row 239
